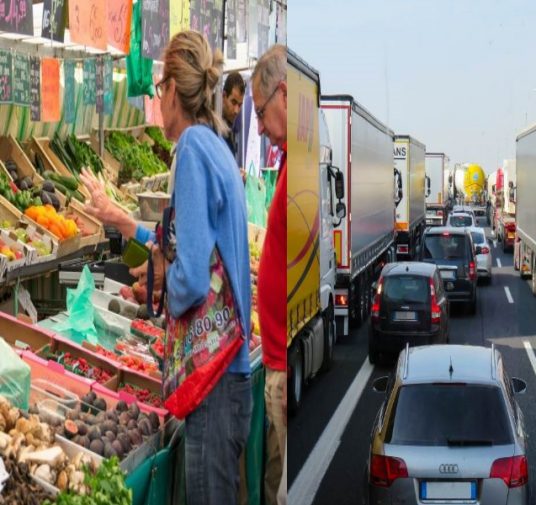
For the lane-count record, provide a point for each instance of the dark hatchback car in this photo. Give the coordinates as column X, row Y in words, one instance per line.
column 410, row 306
column 453, row 251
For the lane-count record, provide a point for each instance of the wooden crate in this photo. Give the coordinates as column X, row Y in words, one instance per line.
column 41, row 145
column 10, row 149
column 90, row 224
column 111, row 165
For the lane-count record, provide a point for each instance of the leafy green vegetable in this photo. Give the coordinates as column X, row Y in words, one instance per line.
column 106, row 487
column 162, row 147
column 76, row 154
column 137, row 159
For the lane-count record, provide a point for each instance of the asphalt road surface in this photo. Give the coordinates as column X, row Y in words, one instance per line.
column 328, row 439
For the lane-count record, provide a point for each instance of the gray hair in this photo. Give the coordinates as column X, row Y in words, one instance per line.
column 271, row 69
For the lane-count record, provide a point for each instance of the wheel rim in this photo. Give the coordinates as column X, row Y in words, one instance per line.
column 331, row 339
column 298, row 374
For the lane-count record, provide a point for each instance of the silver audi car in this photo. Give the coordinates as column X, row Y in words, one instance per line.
column 449, row 431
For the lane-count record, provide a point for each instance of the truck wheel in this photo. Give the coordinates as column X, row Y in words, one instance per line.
column 373, row 354
column 329, row 338
column 295, row 381
column 533, row 278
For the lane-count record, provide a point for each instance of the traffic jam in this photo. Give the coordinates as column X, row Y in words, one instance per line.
column 412, row 370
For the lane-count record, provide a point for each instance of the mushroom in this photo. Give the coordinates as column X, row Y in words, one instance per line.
column 62, row 481
column 45, row 473
column 5, row 440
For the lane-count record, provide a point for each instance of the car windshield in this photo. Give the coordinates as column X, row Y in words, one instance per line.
column 406, row 288
column 461, row 220
column 449, row 414
column 478, row 237
column 445, row 246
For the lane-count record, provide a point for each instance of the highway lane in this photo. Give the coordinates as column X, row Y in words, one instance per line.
column 329, row 437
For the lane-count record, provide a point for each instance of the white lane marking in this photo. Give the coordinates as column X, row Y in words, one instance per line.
column 495, row 244
column 499, row 264
column 306, row 484
column 530, row 353
column 508, row 294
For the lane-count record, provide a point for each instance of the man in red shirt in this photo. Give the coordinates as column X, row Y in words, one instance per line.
column 269, row 88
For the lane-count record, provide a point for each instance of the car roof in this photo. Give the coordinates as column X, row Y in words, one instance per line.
column 462, row 208
column 453, row 230
column 478, row 229
column 461, row 213
column 432, row 363
column 410, row 268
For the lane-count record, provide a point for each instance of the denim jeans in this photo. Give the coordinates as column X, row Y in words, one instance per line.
column 216, row 434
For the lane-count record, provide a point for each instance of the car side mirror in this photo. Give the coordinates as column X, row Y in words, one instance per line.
column 340, row 210
column 374, row 286
column 339, row 185
column 519, row 386
column 478, row 250
column 380, row 384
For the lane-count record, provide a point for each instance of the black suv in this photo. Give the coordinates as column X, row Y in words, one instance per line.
column 410, row 306
column 453, row 251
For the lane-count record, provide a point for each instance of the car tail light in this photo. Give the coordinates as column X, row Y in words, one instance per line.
column 402, row 249
column 446, row 234
column 341, row 300
column 384, row 470
column 375, row 311
column 484, row 250
column 513, row 471
column 439, row 213
column 472, row 270
column 435, row 308
column 511, row 226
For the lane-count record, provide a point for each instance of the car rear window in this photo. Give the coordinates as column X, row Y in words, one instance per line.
column 406, row 288
column 445, row 246
column 460, row 221
column 449, row 414
column 478, row 237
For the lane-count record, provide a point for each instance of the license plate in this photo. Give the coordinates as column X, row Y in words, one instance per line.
column 447, row 274
column 448, row 490
column 511, row 235
column 405, row 316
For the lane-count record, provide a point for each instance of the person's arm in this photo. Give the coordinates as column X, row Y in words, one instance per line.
column 197, row 199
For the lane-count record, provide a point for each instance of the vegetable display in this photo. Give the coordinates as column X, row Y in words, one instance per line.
column 76, row 154
column 137, row 159
column 20, row 489
column 20, row 199
column 59, row 226
column 162, row 147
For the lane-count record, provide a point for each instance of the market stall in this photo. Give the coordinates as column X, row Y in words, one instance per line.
column 80, row 396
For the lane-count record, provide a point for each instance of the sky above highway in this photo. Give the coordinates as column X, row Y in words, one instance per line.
column 459, row 75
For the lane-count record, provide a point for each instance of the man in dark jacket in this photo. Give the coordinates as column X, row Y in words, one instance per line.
column 233, row 96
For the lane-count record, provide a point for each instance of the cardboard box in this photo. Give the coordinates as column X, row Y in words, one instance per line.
column 23, row 335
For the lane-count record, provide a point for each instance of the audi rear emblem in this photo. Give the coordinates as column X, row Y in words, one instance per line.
column 448, row 468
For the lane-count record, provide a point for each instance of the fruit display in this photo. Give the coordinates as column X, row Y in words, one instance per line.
column 30, row 238
column 12, row 252
column 161, row 147
column 21, row 199
column 76, row 154
column 142, row 394
column 137, row 159
column 146, row 330
column 107, row 431
column 254, row 259
column 79, row 366
column 131, row 347
column 29, row 441
column 137, row 363
column 57, row 224
column 68, row 186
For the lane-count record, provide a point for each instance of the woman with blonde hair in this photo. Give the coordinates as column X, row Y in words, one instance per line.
column 202, row 261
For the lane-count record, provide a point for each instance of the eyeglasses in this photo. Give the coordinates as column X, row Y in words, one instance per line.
column 158, row 87
column 260, row 112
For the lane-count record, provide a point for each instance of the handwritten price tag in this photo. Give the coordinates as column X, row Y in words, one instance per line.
column 54, row 17
column 50, row 90
column 16, row 16
column 155, row 27
column 68, row 94
column 35, row 88
column 87, row 23
column 89, row 81
column 179, row 16
column 21, row 80
column 6, row 77
column 119, row 20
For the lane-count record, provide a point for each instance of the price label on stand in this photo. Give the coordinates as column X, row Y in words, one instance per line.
column 99, row 84
column 206, row 17
column 21, row 79
column 68, row 95
column 108, row 85
column 16, row 16
column 50, row 90
column 179, row 16
column 6, row 77
column 155, row 27
column 119, row 21
column 88, row 23
column 89, row 81
column 54, row 19
column 35, row 88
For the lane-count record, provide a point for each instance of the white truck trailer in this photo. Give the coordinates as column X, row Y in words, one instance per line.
column 409, row 155
column 437, row 188
column 363, row 150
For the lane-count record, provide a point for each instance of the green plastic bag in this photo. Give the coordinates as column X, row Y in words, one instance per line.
column 139, row 69
column 14, row 377
column 256, row 200
column 81, row 319
column 270, row 181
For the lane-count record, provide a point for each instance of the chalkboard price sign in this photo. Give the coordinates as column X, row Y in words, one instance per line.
column 6, row 77
column 21, row 79
column 89, row 81
column 231, row 29
column 108, row 85
column 54, row 19
column 68, row 94
column 99, row 84
column 16, row 16
column 35, row 88
column 206, row 17
column 155, row 27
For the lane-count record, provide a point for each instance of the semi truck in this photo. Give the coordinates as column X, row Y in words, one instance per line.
column 505, row 207
column 409, row 155
column 470, row 184
column 525, row 207
column 364, row 242
column 437, row 188
column 314, row 192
